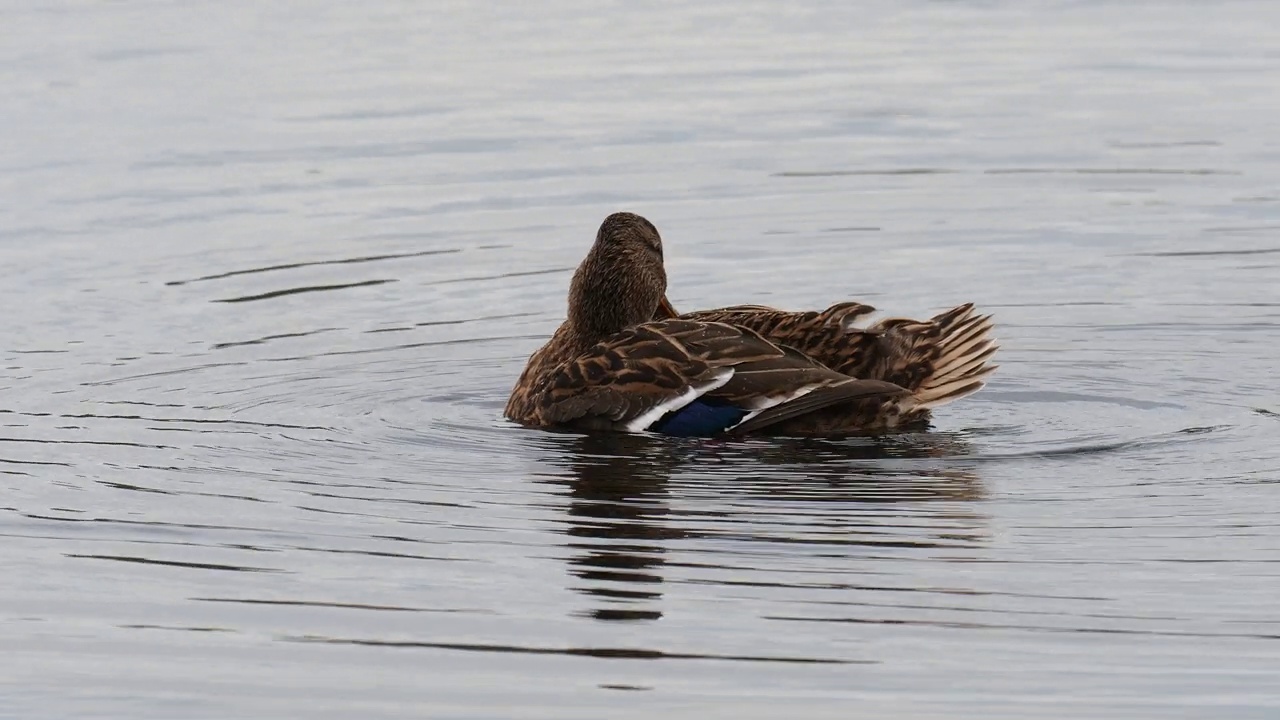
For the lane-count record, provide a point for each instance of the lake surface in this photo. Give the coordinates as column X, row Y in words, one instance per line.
column 270, row 270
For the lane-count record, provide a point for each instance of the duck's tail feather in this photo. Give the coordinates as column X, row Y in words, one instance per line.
column 941, row 359
column 960, row 367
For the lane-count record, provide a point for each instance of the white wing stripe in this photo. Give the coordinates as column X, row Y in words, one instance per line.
column 644, row 420
column 776, row 402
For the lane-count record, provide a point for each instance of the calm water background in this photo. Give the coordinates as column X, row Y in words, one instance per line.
column 269, row 270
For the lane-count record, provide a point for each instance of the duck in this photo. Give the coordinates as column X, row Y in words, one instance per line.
column 624, row 360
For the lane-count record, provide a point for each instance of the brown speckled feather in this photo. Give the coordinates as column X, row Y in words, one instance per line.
column 935, row 360
column 824, row 336
column 620, row 380
column 617, row 380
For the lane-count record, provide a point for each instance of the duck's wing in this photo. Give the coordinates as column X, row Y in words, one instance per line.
column 771, row 383
column 937, row 360
column 690, row 378
column 627, row 382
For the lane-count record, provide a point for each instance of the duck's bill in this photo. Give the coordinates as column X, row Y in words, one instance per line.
column 665, row 311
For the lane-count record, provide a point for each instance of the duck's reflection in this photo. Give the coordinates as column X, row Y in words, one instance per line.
column 618, row 522
column 861, row 492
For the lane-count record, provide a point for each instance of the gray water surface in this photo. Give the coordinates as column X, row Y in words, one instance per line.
column 270, row 270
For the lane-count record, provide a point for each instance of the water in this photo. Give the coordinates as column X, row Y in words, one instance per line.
column 270, row 272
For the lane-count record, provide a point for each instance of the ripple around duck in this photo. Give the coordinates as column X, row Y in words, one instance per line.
column 597, row 652
column 314, row 263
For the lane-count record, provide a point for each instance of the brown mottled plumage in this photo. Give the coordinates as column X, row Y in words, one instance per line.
column 609, row 366
column 936, row 360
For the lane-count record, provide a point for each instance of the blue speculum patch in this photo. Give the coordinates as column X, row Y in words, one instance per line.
column 699, row 418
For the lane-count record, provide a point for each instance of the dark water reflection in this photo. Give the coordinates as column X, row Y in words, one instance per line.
column 621, row 522
column 618, row 522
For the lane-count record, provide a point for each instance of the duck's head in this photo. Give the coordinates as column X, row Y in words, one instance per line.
column 622, row 281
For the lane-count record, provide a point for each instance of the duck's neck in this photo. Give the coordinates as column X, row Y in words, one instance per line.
column 594, row 316
column 566, row 344
column 571, row 339
column 612, row 290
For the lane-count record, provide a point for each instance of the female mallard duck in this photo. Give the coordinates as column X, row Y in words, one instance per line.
column 937, row 360
column 612, row 366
